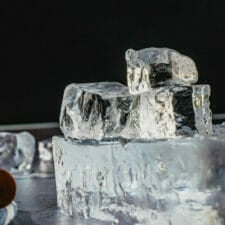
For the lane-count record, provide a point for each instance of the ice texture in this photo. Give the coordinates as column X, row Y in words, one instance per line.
column 110, row 169
column 151, row 116
column 180, row 181
column 8, row 213
column 45, row 150
column 192, row 108
column 16, row 151
column 171, row 111
column 94, row 110
column 153, row 67
column 108, row 110
column 219, row 130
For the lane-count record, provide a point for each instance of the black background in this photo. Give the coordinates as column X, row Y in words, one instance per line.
column 46, row 46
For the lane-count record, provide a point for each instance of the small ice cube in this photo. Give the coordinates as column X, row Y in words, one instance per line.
column 16, row 151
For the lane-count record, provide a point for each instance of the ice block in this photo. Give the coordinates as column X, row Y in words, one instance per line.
column 179, row 181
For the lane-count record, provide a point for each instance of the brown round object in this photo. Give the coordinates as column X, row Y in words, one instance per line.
column 7, row 188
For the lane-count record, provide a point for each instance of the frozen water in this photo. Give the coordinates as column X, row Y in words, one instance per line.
column 107, row 110
column 152, row 67
column 219, row 130
column 16, row 151
column 170, row 111
column 201, row 105
column 8, row 213
column 110, row 169
column 192, row 108
column 140, row 183
column 94, row 110
column 151, row 116
column 45, row 150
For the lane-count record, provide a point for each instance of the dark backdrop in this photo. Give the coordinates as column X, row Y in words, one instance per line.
column 44, row 47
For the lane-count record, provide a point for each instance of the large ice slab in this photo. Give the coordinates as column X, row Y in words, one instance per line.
column 141, row 183
column 152, row 67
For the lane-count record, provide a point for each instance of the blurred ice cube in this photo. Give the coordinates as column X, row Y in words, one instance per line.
column 16, row 151
column 45, row 150
column 8, row 213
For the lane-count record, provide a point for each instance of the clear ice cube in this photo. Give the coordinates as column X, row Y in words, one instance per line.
column 151, row 116
column 192, row 108
column 108, row 110
column 153, row 67
column 94, row 110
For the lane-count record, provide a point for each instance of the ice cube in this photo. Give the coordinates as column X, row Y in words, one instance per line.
column 151, row 116
column 192, row 108
column 16, row 150
column 45, row 150
column 108, row 110
column 94, row 110
column 8, row 213
column 153, row 67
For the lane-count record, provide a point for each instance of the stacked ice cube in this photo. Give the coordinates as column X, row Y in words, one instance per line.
column 159, row 102
column 109, row 166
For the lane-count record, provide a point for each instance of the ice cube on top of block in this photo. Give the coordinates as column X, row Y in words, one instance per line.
column 94, row 110
column 151, row 116
column 153, row 67
column 167, row 112
column 203, row 113
column 108, row 110
column 191, row 107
